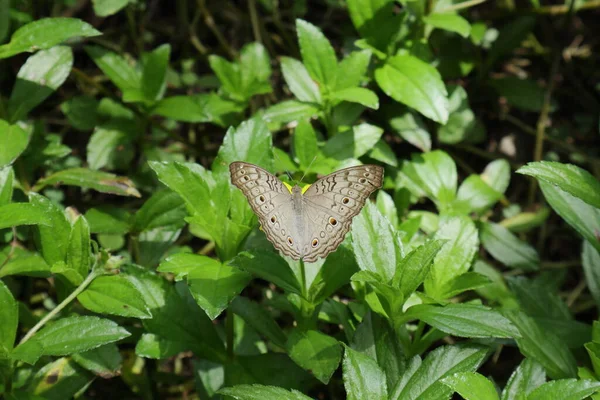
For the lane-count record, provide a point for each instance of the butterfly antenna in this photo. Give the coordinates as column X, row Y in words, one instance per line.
column 308, row 168
column 286, row 171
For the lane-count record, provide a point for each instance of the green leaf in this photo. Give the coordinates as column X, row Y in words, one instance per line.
column 464, row 320
column 38, row 78
column 384, row 298
column 590, row 258
column 104, row 361
column 376, row 21
column 424, row 382
column 9, row 314
column 384, row 153
column 354, row 143
column 375, row 242
column 288, row 111
column 7, row 176
column 110, row 146
column 116, row 68
column 261, row 392
column 363, row 379
column 52, row 241
column 58, row 380
column 15, row 214
column 497, row 175
column 27, row 264
column 157, row 347
column 524, row 94
column 352, row 69
column 507, row 248
column 154, row 74
column 103, row 182
column 471, row 386
column 79, row 251
column 114, row 295
column 229, row 75
column 433, row 174
column 584, row 218
column 528, row 376
column 565, row 389
column 76, row 334
column 105, row 8
column 164, row 209
column 305, row 143
column 256, row 69
column 81, row 111
column 568, row 177
column 449, row 22
column 108, row 220
column 464, row 282
column 411, row 128
column 461, row 121
column 299, row 81
column 317, row 53
column 45, row 33
column 412, row 269
column 335, row 272
column 269, row 266
column 258, row 318
column 526, row 221
column 544, row 347
column 357, row 95
column 475, row 195
column 4, row 19
column 415, row 83
column 183, row 108
column 214, row 285
column 14, row 141
column 387, row 207
column 455, row 257
column 316, row 352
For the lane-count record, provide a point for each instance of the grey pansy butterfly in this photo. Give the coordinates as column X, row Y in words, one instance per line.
column 312, row 224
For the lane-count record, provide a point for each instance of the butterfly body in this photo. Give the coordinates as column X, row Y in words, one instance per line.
column 311, row 224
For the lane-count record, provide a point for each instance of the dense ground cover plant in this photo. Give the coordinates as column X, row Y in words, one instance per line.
column 130, row 267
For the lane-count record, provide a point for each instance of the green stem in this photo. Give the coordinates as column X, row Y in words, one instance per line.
column 62, row 305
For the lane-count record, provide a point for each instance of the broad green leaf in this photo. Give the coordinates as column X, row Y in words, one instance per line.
column 182, row 108
column 299, row 81
column 108, row 220
column 104, row 361
column 58, row 380
column 269, row 266
column 590, row 258
column 335, row 272
column 384, row 153
column 14, row 141
column 27, row 264
column 352, row 69
column 584, row 218
column 317, row 53
column 154, row 74
column 363, row 379
column 568, row 177
column 565, row 389
column 305, row 143
column 387, row 207
column 103, row 182
column 9, row 314
column 496, row 291
column 288, row 111
column 7, row 176
column 214, row 285
column 593, row 350
column 524, row 94
column 424, row 382
column 497, row 175
column 38, row 78
column 53, row 240
column 464, row 320
column 45, row 33
column 376, row 245
column 261, row 392
column 434, row 174
column 164, row 209
column 81, row 111
column 357, row 95
column 28, row 352
column 475, row 195
column 415, row 83
column 528, row 376
column 76, row 334
column 114, row 295
column 353, row 143
column 412, row 269
column 543, row 347
column 117, row 69
column 526, row 221
column 505, row 247
column 455, row 257
column 384, row 298
column 464, row 282
column 471, row 386
column 157, row 347
column 79, row 251
column 537, row 300
column 411, row 128
column 255, row 66
column 449, row 22
column 104, row 8
column 229, row 75
column 259, row 318
column 315, row 352
column 154, row 243
column 108, row 146
column 461, row 121
column 15, row 214
column 376, row 22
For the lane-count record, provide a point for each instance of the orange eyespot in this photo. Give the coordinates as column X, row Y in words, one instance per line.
column 315, row 243
column 273, row 219
column 290, row 241
column 345, row 200
column 332, row 221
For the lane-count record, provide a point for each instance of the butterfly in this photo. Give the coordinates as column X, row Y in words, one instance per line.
column 306, row 224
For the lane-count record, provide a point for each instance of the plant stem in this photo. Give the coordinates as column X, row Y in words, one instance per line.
column 62, row 305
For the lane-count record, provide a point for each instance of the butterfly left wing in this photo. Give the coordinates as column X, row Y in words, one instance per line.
column 332, row 202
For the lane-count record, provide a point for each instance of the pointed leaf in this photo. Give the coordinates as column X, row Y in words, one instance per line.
column 114, row 295
column 363, row 379
column 317, row 53
column 471, row 386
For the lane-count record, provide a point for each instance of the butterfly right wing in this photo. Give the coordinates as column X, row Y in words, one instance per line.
column 270, row 200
